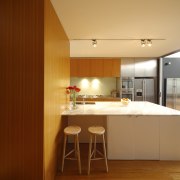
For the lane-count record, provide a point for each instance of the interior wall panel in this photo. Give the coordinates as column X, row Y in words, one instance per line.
column 32, row 89
column 22, row 90
column 57, row 74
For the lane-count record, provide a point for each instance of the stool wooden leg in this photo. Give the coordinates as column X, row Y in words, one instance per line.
column 94, row 146
column 89, row 157
column 75, row 147
column 105, row 157
column 78, row 154
column 64, row 151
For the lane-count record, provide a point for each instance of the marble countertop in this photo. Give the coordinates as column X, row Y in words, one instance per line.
column 117, row 108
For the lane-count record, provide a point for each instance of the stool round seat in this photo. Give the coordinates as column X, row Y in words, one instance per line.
column 96, row 130
column 72, row 130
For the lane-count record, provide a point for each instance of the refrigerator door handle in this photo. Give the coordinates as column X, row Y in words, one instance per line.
column 144, row 89
column 175, row 92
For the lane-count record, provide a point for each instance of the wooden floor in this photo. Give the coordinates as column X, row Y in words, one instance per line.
column 135, row 170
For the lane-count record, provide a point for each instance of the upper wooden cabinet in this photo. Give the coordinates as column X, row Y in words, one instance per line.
column 95, row 67
column 80, row 68
column 112, row 67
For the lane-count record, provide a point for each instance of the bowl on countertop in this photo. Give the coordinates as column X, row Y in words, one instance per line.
column 125, row 101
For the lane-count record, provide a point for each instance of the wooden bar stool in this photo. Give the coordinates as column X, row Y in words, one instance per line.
column 74, row 131
column 94, row 131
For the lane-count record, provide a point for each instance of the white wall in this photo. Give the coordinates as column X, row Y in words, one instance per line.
column 94, row 86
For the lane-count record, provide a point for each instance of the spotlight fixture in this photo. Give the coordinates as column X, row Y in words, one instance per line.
column 143, row 42
column 149, row 42
column 94, row 42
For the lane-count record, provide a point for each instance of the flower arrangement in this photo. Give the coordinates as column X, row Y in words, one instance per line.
column 73, row 90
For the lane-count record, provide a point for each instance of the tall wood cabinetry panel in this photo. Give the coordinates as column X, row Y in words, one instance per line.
column 127, row 67
column 74, row 68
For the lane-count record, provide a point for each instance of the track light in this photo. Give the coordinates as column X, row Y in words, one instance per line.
column 94, row 42
column 149, row 42
column 143, row 42
column 146, row 41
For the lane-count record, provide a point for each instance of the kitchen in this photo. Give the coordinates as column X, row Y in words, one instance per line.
column 39, row 39
column 126, row 82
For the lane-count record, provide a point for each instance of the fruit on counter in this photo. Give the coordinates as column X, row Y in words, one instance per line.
column 124, row 99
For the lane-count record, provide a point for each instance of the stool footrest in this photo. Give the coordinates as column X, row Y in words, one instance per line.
column 98, row 153
column 71, row 158
column 69, row 153
column 97, row 158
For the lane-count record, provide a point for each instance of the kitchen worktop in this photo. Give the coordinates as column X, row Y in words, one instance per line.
column 117, row 108
column 99, row 98
column 138, row 131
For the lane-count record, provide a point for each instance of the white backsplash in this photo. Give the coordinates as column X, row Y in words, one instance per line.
column 94, row 86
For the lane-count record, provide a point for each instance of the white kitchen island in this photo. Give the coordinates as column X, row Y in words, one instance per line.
column 140, row 130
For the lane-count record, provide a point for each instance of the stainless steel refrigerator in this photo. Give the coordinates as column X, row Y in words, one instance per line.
column 172, row 90
column 144, row 89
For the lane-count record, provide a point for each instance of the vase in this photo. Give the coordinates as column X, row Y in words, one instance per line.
column 74, row 101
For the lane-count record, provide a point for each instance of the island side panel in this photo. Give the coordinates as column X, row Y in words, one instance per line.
column 132, row 137
column 146, row 137
column 170, row 137
column 120, row 137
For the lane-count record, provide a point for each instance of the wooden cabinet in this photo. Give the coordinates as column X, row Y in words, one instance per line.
column 133, row 137
column 116, row 68
column 73, row 68
column 111, row 68
column 80, row 68
column 84, row 67
column 96, row 67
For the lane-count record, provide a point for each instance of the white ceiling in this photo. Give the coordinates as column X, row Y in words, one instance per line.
column 120, row 19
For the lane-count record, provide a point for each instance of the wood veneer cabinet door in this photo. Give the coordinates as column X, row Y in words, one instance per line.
column 83, row 67
column 96, row 68
column 116, row 66
column 111, row 68
column 73, row 68
column 107, row 67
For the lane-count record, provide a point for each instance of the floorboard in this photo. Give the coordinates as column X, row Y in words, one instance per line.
column 135, row 170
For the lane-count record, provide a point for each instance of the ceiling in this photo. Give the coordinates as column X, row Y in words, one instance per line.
column 120, row 19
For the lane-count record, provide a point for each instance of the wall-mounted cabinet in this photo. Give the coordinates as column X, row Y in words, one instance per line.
column 135, row 67
column 127, row 67
column 95, row 67
column 145, row 68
